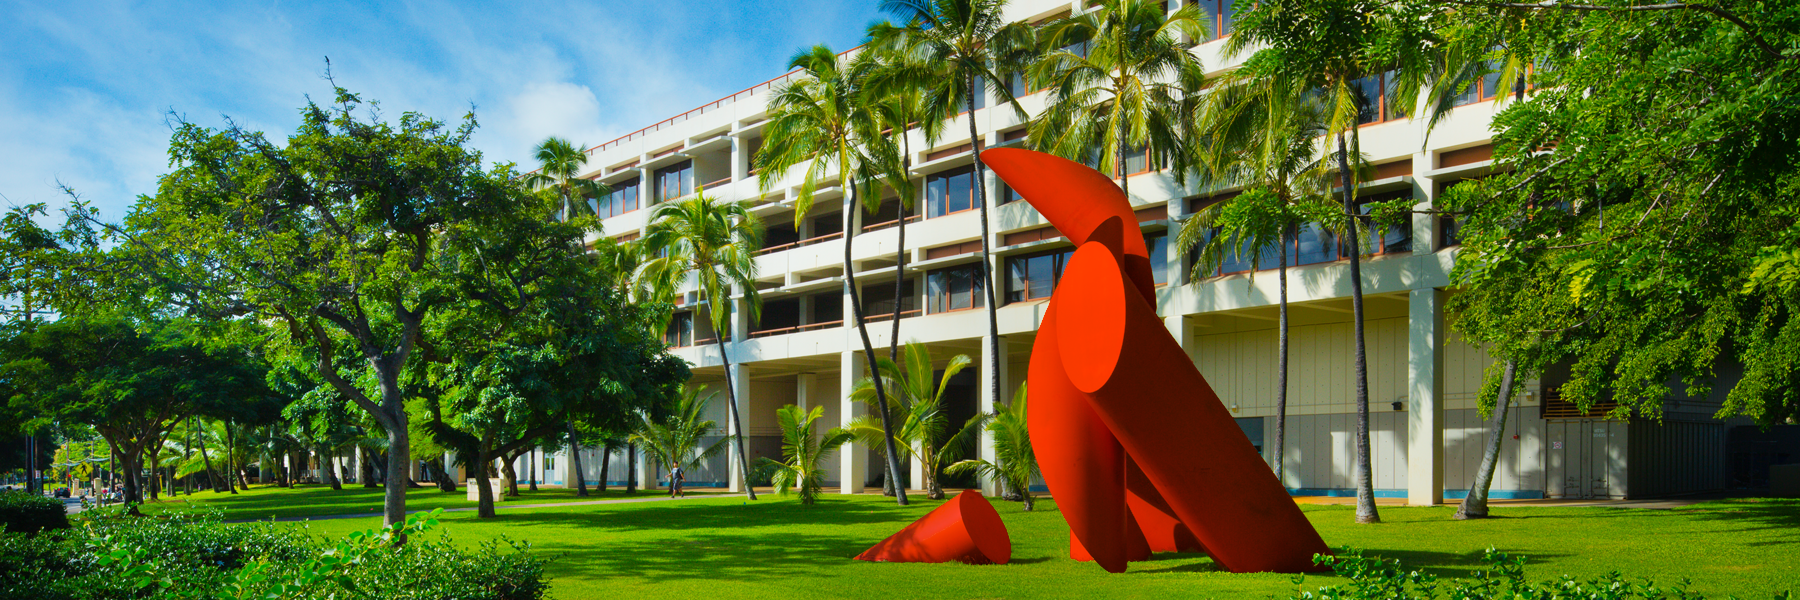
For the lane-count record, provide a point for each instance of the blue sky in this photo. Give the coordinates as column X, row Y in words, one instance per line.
column 85, row 87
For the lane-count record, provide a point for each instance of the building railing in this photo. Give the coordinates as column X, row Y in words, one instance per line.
column 796, row 329
column 805, row 242
column 887, row 316
column 715, row 184
column 886, row 224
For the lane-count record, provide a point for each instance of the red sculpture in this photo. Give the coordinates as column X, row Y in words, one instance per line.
column 965, row 529
column 1136, row 448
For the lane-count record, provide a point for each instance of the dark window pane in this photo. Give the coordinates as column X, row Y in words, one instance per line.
column 1367, row 96
column 1159, row 258
column 980, row 96
column 1315, row 245
column 1225, row 17
column 1016, row 279
column 934, row 196
column 1490, row 83
column 1042, row 274
column 960, row 190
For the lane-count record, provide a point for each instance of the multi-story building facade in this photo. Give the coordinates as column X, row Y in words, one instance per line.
column 1426, row 433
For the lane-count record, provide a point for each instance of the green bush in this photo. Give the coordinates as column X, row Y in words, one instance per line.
column 30, row 513
column 1372, row 578
column 195, row 556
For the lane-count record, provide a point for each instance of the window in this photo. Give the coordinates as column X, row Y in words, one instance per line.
column 955, row 288
column 681, row 330
column 980, row 97
column 623, row 199
column 1158, row 244
column 1034, row 277
column 1137, row 160
column 675, row 182
column 1015, row 85
column 1253, row 429
column 1215, row 15
column 951, row 191
column 1386, row 239
column 549, row 464
column 1374, row 97
column 879, row 299
column 1483, row 88
column 1008, row 195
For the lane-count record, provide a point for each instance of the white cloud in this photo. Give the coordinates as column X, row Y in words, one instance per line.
column 541, row 110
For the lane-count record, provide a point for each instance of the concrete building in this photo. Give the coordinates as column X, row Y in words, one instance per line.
column 1426, row 434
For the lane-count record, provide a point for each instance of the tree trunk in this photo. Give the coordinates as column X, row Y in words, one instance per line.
column 737, row 421
column 1475, row 505
column 231, row 467
column 206, row 459
column 862, row 330
column 1365, row 485
column 328, row 460
column 631, row 467
column 531, row 465
column 511, row 474
column 1281, row 368
column 484, row 489
column 605, row 463
column 575, row 472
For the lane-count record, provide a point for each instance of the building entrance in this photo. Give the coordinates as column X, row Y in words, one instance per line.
column 1585, row 459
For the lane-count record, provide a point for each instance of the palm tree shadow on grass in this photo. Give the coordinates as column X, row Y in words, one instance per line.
column 689, row 517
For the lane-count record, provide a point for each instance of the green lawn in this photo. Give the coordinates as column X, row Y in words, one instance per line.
column 719, row 548
column 263, row 502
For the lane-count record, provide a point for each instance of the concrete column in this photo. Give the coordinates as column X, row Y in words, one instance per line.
column 740, row 385
column 1424, row 402
column 1178, row 329
column 646, row 473
column 854, row 460
column 1424, row 226
column 740, row 161
column 991, row 363
column 803, row 385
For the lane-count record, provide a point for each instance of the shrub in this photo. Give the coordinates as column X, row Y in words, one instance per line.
column 195, row 556
column 1372, row 578
column 30, row 513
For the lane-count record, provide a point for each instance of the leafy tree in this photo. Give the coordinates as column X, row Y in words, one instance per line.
column 558, row 173
column 918, row 405
column 131, row 381
column 352, row 234
column 718, row 242
column 952, row 47
column 1323, row 47
column 1014, row 463
column 1127, row 88
column 824, row 121
column 801, row 451
column 677, row 439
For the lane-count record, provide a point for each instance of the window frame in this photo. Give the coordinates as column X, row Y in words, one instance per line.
column 938, row 303
column 945, row 175
column 684, row 178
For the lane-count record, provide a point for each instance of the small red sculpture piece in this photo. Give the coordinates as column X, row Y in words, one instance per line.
column 965, row 529
column 1133, row 443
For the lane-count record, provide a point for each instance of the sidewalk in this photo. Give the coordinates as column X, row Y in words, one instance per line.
column 497, row 506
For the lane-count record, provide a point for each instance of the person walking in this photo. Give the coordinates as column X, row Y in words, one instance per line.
column 676, row 478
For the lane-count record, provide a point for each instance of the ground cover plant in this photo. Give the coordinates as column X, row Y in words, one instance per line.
column 23, row 512
column 320, row 500
column 728, row 547
column 193, row 556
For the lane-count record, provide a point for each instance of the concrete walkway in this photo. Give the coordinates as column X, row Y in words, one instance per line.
column 1660, row 503
column 497, row 506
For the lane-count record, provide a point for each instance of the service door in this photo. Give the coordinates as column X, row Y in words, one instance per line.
column 1586, row 459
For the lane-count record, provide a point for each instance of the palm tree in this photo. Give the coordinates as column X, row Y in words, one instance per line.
column 1014, row 463
column 1127, row 90
column 1253, row 134
column 675, row 441
column 918, row 405
column 820, row 120
column 952, row 45
column 802, row 451
column 718, row 241
column 1318, row 45
column 559, row 170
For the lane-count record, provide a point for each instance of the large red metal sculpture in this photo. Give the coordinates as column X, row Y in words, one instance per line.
column 965, row 529
column 1136, row 448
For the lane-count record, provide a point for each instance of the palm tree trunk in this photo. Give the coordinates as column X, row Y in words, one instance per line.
column 532, row 466
column 862, row 330
column 575, row 463
column 987, row 255
column 230, row 465
column 211, row 480
column 1475, row 505
column 328, row 463
column 1365, row 485
column 737, row 421
column 1281, row 367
